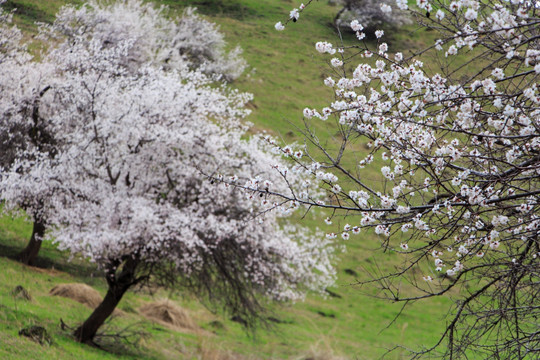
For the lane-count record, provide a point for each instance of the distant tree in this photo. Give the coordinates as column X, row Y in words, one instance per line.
column 371, row 14
column 166, row 41
column 450, row 177
column 185, row 42
column 129, row 194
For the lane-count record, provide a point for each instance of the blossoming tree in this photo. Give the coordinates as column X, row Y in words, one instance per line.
column 131, row 140
column 449, row 179
column 26, row 139
column 23, row 136
column 371, row 14
column 165, row 41
column 135, row 203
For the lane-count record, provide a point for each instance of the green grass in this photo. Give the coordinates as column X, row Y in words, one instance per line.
column 347, row 326
column 285, row 75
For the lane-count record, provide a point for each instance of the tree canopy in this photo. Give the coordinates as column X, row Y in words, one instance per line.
column 132, row 133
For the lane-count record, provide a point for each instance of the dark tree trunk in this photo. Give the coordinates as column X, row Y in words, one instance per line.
column 29, row 254
column 347, row 6
column 86, row 332
column 118, row 285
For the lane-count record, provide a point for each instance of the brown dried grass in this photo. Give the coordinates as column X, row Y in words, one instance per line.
column 321, row 351
column 82, row 293
column 169, row 314
column 79, row 292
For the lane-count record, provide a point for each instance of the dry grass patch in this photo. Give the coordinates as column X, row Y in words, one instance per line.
column 321, row 351
column 169, row 314
column 82, row 293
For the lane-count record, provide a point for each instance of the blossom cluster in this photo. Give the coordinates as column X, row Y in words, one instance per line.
column 459, row 155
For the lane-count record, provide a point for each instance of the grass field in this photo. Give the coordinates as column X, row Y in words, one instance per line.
column 285, row 75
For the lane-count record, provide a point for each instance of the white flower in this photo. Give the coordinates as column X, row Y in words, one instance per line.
column 421, row 225
column 279, row 26
column 379, row 33
column 439, row 14
column 404, row 246
column 294, row 14
column 356, row 26
column 452, row 50
column 386, row 201
column 345, row 236
column 522, row 12
column 336, row 62
column 387, row 172
column 385, row 8
column 403, row 209
column 499, row 220
column 471, row 14
column 402, row 4
column 325, row 47
column 405, row 227
column 498, row 73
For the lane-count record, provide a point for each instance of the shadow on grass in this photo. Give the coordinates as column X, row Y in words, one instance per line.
column 29, row 12
column 230, row 8
column 51, row 258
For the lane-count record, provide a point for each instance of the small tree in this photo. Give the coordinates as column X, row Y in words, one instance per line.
column 169, row 42
column 26, row 138
column 371, row 14
column 23, row 135
column 450, row 177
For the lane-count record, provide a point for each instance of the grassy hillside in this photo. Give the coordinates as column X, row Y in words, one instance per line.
column 285, row 76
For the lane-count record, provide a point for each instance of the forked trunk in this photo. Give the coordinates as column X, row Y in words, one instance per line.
column 87, row 331
column 29, row 254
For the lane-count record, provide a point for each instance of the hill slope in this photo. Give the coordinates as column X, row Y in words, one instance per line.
column 285, row 76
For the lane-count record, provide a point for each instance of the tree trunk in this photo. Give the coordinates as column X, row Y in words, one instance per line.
column 86, row 332
column 29, row 254
column 118, row 285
